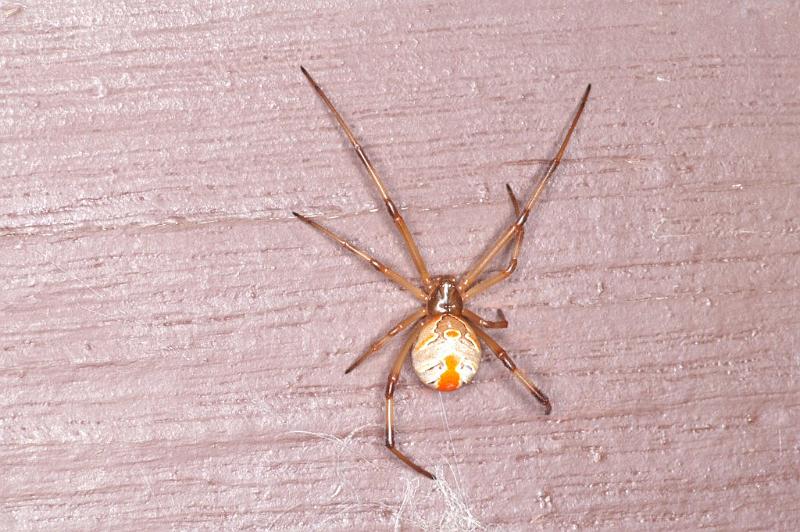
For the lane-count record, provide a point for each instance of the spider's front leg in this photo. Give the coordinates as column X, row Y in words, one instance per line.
column 394, row 212
column 378, row 265
column 391, row 383
column 466, row 280
column 506, row 272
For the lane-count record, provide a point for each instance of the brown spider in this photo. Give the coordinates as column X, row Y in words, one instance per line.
column 445, row 340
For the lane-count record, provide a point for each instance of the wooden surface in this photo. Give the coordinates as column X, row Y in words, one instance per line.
column 173, row 341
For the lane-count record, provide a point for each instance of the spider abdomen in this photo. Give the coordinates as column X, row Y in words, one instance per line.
column 446, row 353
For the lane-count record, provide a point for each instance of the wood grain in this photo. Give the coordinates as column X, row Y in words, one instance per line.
column 172, row 340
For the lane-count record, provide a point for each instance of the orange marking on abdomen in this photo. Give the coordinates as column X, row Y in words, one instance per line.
column 450, row 380
column 429, row 340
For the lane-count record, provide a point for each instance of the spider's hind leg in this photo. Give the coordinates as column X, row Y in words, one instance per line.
column 391, row 383
column 509, row 363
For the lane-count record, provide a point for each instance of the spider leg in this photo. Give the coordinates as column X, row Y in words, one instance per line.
column 474, row 290
column 502, row 323
column 477, row 268
column 406, row 322
column 509, row 363
column 390, row 206
column 385, row 270
column 394, row 376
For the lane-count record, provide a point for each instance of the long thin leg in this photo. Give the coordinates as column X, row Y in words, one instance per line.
column 512, row 265
column 406, row 322
column 394, row 376
column 502, row 323
column 506, row 360
column 390, row 206
column 385, row 270
column 477, row 268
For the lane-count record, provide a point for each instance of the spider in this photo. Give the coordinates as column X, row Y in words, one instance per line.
column 445, row 337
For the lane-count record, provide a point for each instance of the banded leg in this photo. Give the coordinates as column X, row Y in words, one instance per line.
column 381, row 267
column 509, row 363
column 502, row 323
column 406, row 322
column 512, row 265
column 477, row 268
column 394, row 376
column 390, row 206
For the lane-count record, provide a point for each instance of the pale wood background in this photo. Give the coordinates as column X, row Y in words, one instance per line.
column 172, row 339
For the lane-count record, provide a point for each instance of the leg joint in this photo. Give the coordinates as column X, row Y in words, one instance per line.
column 390, row 386
column 507, row 362
column 511, row 267
column 390, row 206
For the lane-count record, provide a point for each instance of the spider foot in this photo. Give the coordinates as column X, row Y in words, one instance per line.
column 406, row 460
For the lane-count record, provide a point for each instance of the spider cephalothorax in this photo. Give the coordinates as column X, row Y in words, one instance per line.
column 444, row 296
column 445, row 340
